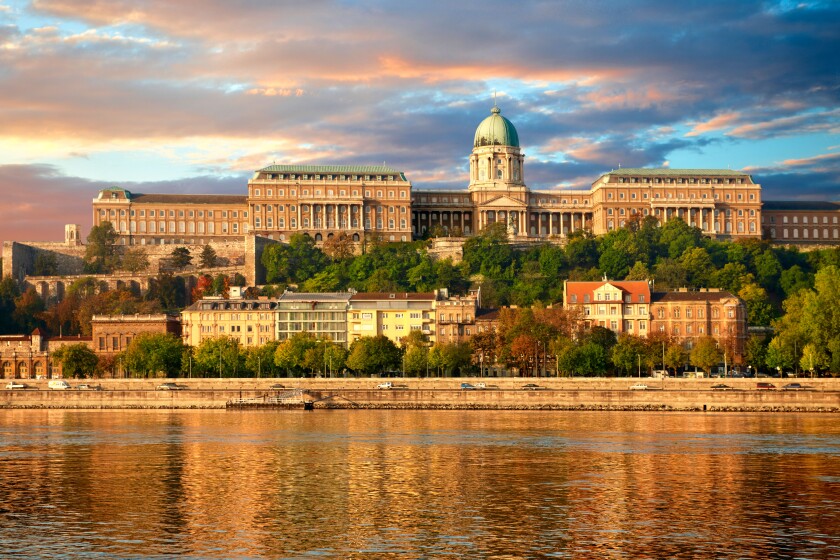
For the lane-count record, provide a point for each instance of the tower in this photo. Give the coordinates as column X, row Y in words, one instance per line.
column 71, row 235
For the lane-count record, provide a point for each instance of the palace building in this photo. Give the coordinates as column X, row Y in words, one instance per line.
column 325, row 200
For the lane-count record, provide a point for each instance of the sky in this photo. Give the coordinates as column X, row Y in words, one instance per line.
column 192, row 97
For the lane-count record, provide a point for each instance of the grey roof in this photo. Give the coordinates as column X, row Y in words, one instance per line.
column 189, row 199
column 368, row 169
column 667, row 171
column 715, row 295
column 315, row 296
column 795, row 205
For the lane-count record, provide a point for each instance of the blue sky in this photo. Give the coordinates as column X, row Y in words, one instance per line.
column 193, row 96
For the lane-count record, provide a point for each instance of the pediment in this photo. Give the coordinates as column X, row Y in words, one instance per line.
column 503, row 202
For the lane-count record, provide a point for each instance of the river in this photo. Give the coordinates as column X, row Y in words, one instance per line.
column 418, row 484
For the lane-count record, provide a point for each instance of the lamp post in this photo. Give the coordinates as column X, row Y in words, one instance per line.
column 639, row 357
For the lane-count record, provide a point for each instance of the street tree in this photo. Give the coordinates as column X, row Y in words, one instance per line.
column 373, row 354
column 153, row 354
column 221, row 356
column 706, row 354
column 77, row 360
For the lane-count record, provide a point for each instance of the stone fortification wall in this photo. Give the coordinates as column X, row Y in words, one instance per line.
column 254, row 271
column 19, row 258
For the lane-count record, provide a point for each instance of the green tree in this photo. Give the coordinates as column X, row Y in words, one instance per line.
column 291, row 353
column 370, row 355
column 698, row 266
column 813, row 358
column 221, row 356
column 45, row 264
column 639, row 271
column 9, row 292
column 706, row 354
column 260, row 360
column 28, row 309
column 296, row 262
column 794, row 279
column 755, row 351
column 456, row 357
column 759, row 310
column 207, row 258
column 780, row 355
column 677, row 237
column 100, row 251
column 675, row 356
column 627, row 353
column 180, row 258
column 135, row 260
column 153, row 354
column 77, row 360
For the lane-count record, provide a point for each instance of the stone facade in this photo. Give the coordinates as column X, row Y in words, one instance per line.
column 29, row 356
column 682, row 315
column 802, row 222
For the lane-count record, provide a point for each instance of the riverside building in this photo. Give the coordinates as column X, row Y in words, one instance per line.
column 682, row 315
column 325, row 200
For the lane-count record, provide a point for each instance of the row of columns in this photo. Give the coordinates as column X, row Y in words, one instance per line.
column 557, row 223
column 331, row 216
column 444, row 218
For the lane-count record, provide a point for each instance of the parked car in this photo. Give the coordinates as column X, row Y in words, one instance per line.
column 722, row 387
column 277, row 386
column 385, row 385
column 795, row 387
column 58, row 385
column 638, row 387
column 86, row 387
column 468, row 387
column 171, row 387
column 532, row 387
column 765, row 386
column 16, row 385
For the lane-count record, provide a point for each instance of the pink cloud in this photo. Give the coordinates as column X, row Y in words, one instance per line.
column 719, row 122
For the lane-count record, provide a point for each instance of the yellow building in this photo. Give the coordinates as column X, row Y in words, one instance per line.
column 250, row 321
column 393, row 315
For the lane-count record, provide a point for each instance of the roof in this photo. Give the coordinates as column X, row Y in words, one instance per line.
column 706, row 295
column 667, row 171
column 189, row 199
column 210, row 304
column 796, row 205
column 315, row 297
column 388, row 296
column 633, row 288
column 368, row 169
column 486, row 314
column 496, row 130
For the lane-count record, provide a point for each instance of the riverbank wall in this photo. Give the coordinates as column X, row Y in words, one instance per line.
column 444, row 393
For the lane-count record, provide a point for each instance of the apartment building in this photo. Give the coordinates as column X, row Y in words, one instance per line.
column 392, row 314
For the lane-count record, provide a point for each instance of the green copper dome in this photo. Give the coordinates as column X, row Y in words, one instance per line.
column 496, row 130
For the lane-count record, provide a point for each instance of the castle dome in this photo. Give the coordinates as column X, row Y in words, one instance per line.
column 496, row 130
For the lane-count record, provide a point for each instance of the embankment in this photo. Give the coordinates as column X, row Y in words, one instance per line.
column 445, row 393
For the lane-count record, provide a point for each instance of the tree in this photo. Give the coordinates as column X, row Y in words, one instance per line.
column 291, row 354
column 370, row 355
column 296, row 262
column 135, row 260
column 675, row 356
column 627, row 352
column 9, row 292
column 45, row 264
column 456, row 357
column 706, row 354
column 221, row 356
column 207, row 258
column 77, row 360
column 339, row 247
column 100, row 252
column 416, row 360
column 755, row 351
column 813, row 358
column 780, row 356
column 153, row 354
column 28, row 309
column 260, row 360
column 180, row 258
column 759, row 310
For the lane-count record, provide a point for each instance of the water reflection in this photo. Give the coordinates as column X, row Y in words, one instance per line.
column 419, row 484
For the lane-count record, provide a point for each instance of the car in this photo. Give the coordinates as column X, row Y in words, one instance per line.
column 638, row 387
column 58, row 385
column 16, row 385
column 170, row 387
column 385, row 385
column 765, row 386
column 86, row 387
column 531, row 387
column 467, row 387
column 722, row 387
column 794, row 387
column 277, row 386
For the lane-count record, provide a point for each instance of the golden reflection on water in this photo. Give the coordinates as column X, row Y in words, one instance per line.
column 419, row 484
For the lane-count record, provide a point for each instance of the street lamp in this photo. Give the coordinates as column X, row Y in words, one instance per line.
column 639, row 356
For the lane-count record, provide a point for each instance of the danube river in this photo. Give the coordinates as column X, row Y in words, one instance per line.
column 419, row 484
